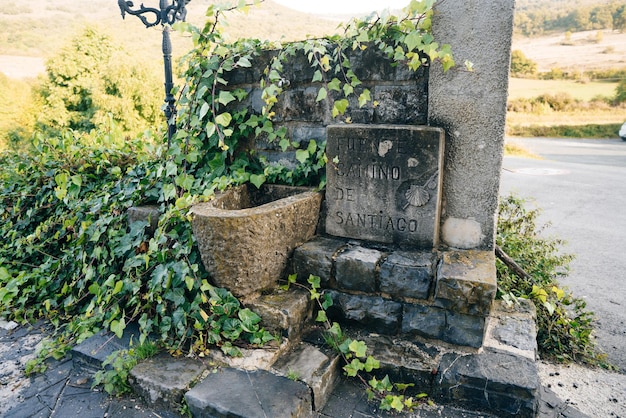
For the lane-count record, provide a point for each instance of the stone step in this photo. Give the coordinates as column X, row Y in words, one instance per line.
column 501, row 377
column 89, row 354
column 235, row 393
column 162, row 381
column 310, row 365
column 284, row 312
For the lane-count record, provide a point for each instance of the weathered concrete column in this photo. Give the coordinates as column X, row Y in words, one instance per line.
column 471, row 106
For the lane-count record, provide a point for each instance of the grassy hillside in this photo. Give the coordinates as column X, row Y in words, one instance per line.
column 40, row 27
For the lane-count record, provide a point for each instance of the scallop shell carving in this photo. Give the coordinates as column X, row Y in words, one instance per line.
column 416, row 196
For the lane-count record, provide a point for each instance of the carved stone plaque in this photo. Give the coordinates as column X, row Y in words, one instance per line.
column 384, row 183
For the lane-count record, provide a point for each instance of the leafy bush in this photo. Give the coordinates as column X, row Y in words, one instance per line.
column 91, row 80
column 66, row 251
column 564, row 326
column 521, row 65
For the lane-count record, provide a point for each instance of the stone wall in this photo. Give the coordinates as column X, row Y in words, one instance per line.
column 470, row 106
column 400, row 94
column 444, row 297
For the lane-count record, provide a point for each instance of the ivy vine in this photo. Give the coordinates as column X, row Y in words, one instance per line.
column 66, row 251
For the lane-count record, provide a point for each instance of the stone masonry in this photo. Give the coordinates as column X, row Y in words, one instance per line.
column 443, row 296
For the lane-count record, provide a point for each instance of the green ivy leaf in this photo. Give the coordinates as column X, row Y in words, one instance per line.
column 359, row 348
column 353, row 368
column 340, row 106
column 223, row 119
column 243, row 61
column 317, row 76
column 117, row 327
column 364, row 98
column 314, row 281
column 396, row 403
column 321, row 95
column 190, row 281
column 334, row 85
column 321, row 316
column 118, row 287
column 210, row 129
column 204, row 109
column 225, row 97
column 257, row 180
column 371, row 363
column 302, row 155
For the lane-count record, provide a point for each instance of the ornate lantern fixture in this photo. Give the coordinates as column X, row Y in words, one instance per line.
column 167, row 14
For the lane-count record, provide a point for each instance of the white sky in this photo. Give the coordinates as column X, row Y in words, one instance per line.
column 342, row 6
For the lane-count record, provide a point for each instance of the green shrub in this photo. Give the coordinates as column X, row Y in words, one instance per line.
column 566, row 131
column 521, row 65
column 564, row 326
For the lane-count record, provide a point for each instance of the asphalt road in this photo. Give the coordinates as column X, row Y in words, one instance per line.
column 580, row 185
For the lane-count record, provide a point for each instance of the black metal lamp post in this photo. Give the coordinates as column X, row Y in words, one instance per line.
column 168, row 13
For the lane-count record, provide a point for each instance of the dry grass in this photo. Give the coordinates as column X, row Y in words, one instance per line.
column 567, row 118
column 515, row 150
column 526, row 88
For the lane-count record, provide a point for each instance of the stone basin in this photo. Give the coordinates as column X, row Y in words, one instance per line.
column 247, row 235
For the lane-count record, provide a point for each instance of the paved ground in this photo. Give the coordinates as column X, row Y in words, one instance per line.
column 63, row 391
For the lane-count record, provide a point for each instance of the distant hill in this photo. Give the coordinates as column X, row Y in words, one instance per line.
column 539, row 17
column 40, row 27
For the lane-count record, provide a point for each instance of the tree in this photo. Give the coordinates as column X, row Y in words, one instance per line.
column 522, row 66
column 619, row 18
column 92, row 80
column 620, row 92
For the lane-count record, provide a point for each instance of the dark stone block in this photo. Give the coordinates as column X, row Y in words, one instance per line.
column 401, row 105
column 372, row 312
column 498, row 382
column 426, row 321
column 249, row 394
column 300, row 105
column 302, row 134
column 148, row 214
column 466, row 282
column 356, row 269
column 407, row 274
column 90, row 354
column 465, row 330
column 315, row 257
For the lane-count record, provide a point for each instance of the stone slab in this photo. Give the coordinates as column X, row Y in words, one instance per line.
column 497, row 382
column 283, row 312
column 251, row 358
column 237, row 393
column 149, row 214
column 512, row 329
column 316, row 257
column 424, row 320
column 310, row 365
column 163, row 380
column 356, row 269
column 94, row 350
column 407, row 275
column 465, row 330
column 384, row 183
column 466, row 282
column 371, row 312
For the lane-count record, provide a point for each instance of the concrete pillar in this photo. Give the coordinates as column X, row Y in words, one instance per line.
column 471, row 107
